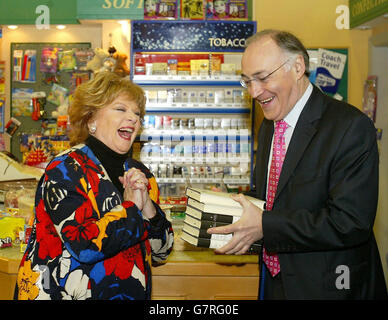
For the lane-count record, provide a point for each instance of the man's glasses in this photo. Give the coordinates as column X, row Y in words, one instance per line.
column 247, row 82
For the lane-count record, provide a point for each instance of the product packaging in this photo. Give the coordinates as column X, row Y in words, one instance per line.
column 49, row 60
column 38, row 103
column 215, row 67
column 67, row 60
column 369, row 104
column 172, row 66
column 10, row 227
column 12, row 125
column 21, row 102
column 29, row 66
column 57, row 94
column 160, row 9
column 82, row 57
column 17, row 65
column 226, row 10
column 159, row 68
column 228, row 69
column 192, row 10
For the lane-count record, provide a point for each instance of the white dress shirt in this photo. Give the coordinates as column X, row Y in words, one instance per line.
column 292, row 119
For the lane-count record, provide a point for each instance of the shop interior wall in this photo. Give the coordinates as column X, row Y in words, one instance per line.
column 29, row 33
column 314, row 22
column 378, row 65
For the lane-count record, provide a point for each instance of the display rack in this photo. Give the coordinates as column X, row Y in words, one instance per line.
column 198, row 126
column 41, row 82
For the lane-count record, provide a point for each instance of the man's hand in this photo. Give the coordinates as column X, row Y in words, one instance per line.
column 246, row 230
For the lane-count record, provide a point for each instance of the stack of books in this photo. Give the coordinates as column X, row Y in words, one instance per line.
column 206, row 209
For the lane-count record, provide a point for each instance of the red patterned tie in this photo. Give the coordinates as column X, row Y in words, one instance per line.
column 278, row 154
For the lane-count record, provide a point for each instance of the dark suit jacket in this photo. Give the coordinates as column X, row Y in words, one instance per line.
column 325, row 203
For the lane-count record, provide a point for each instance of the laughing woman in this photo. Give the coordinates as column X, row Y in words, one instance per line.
column 97, row 222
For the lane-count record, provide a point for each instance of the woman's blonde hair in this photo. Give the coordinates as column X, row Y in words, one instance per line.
column 95, row 94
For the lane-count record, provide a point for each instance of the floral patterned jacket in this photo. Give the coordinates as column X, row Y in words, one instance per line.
column 86, row 241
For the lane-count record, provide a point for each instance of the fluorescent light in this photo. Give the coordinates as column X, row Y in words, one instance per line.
column 12, row 27
column 125, row 29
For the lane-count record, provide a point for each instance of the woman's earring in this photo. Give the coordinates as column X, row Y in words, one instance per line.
column 92, row 128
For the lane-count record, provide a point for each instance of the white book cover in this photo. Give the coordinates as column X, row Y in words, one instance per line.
column 210, row 208
column 207, row 243
column 219, row 198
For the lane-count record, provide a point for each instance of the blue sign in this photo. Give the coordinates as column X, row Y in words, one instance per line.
column 192, row 36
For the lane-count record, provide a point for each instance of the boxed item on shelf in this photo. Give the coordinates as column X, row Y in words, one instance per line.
column 185, row 96
column 152, row 96
column 201, row 97
column 159, row 68
column 238, row 96
column 172, row 66
column 228, row 96
column 219, row 96
column 228, row 68
column 210, row 96
column 183, row 68
column 199, row 67
column 192, row 97
column 215, row 67
column 148, row 69
column 162, row 96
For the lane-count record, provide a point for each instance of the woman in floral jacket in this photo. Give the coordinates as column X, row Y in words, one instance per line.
column 97, row 225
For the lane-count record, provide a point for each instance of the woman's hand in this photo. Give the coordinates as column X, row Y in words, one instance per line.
column 136, row 190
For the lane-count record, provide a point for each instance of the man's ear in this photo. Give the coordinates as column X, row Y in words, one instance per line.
column 299, row 66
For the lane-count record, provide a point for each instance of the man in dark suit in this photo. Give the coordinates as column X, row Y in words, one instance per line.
column 318, row 241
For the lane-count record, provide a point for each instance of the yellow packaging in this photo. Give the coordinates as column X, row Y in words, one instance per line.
column 199, row 67
column 204, row 67
column 228, row 68
column 159, row 68
column 183, row 68
column 10, row 227
column 194, row 66
column 216, row 65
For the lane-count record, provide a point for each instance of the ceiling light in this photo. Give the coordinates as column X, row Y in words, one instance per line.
column 125, row 29
column 12, row 27
column 60, row 26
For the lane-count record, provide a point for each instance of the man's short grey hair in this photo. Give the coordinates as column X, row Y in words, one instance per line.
column 286, row 41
